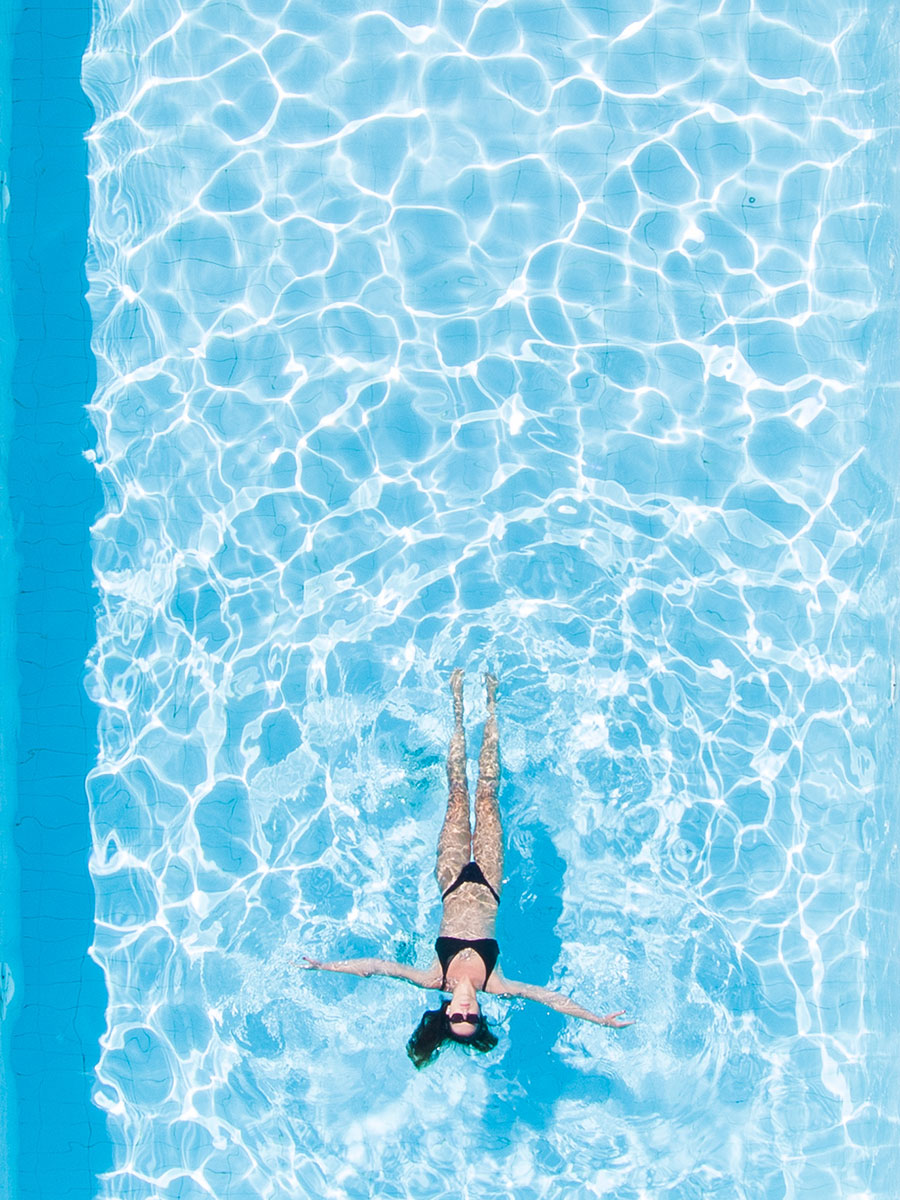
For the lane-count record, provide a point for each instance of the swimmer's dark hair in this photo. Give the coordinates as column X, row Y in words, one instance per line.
column 434, row 1031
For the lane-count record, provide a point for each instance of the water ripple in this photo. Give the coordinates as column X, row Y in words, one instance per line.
column 507, row 334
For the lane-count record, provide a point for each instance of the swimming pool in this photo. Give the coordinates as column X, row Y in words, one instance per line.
column 553, row 339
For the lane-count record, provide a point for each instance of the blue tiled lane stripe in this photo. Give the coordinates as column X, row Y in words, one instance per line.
column 59, row 1004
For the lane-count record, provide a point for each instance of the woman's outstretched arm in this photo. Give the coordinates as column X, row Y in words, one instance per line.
column 371, row 966
column 554, row 1000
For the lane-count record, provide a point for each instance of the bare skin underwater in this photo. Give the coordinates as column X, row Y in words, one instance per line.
column 470, row 876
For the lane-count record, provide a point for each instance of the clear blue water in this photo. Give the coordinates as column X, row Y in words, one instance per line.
column 551, row 339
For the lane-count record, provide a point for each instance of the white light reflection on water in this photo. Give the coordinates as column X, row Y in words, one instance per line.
column 544, row 337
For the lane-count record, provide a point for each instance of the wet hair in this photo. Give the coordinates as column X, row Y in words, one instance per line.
column 434, row 1031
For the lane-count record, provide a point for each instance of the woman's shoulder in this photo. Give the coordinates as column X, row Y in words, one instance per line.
column 431, row 976
column 498, row 984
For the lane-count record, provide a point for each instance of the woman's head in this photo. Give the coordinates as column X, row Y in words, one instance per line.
column 438, row 1027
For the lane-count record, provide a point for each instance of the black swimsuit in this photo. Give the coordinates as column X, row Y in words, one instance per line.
column 487, row 949
column 448, row 947
column 471, row 873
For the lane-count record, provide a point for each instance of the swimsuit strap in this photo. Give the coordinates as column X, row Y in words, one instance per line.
column 471, row 873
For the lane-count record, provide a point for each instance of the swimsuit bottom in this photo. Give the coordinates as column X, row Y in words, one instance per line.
column 471, row 873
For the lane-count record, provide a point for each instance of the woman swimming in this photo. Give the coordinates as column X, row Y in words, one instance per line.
column 469, row 873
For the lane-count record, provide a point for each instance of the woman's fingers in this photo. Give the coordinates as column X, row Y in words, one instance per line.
column 306, row 963
column 612, row 1020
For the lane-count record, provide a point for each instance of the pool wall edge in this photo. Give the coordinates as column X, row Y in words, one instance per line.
column 10, row 947
column 63, row 1146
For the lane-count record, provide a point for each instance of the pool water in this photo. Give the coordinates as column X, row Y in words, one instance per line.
column 556, row 340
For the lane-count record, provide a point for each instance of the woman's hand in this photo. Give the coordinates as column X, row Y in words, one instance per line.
column 612, row 1020
column 309, row 964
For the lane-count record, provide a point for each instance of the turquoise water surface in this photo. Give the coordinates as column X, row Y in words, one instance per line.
column 552, row 338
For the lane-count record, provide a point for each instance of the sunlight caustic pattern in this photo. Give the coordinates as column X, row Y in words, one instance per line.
column 538, row 336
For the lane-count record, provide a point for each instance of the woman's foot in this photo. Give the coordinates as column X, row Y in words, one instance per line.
column 490, row 683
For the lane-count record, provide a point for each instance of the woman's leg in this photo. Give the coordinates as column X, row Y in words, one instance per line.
column 488, row 842
column 455, row 842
